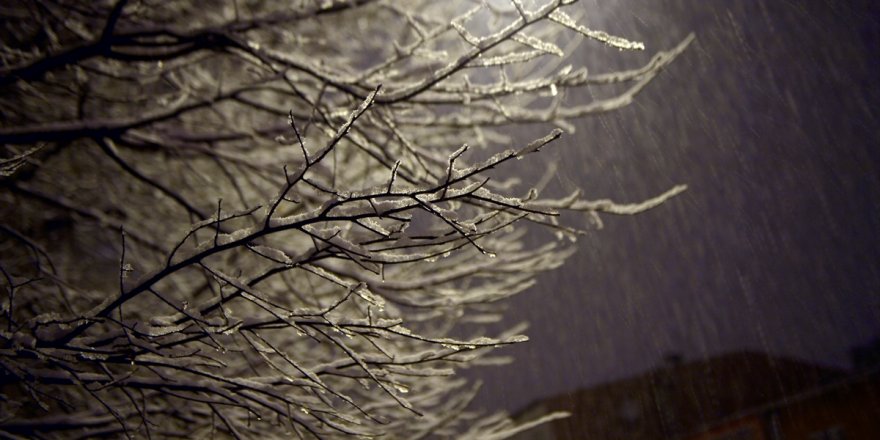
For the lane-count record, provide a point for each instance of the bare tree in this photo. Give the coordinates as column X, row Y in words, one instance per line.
column 243, row 218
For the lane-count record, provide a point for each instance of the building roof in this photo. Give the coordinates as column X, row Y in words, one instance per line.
column 678, row 397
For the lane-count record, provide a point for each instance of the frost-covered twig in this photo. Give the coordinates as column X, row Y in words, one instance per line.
column 299, row 241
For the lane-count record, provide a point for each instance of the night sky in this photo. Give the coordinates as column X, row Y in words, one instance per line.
column 771, row 118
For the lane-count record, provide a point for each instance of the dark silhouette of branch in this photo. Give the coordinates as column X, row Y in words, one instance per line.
column 246, row 219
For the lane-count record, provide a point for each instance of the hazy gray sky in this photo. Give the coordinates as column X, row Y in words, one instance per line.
column 771, row 118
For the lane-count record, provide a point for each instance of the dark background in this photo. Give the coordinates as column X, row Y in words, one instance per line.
column 771, row 118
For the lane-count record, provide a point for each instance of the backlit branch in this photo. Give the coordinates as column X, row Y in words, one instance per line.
column 313, row 199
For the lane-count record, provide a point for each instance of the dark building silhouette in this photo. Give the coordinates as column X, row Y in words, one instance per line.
column 738, row 396
column 866, row 357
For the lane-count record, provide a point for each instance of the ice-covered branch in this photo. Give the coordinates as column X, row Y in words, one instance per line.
column 299, row 242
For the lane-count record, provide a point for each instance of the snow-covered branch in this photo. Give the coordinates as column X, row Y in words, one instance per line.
column 267, row 218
